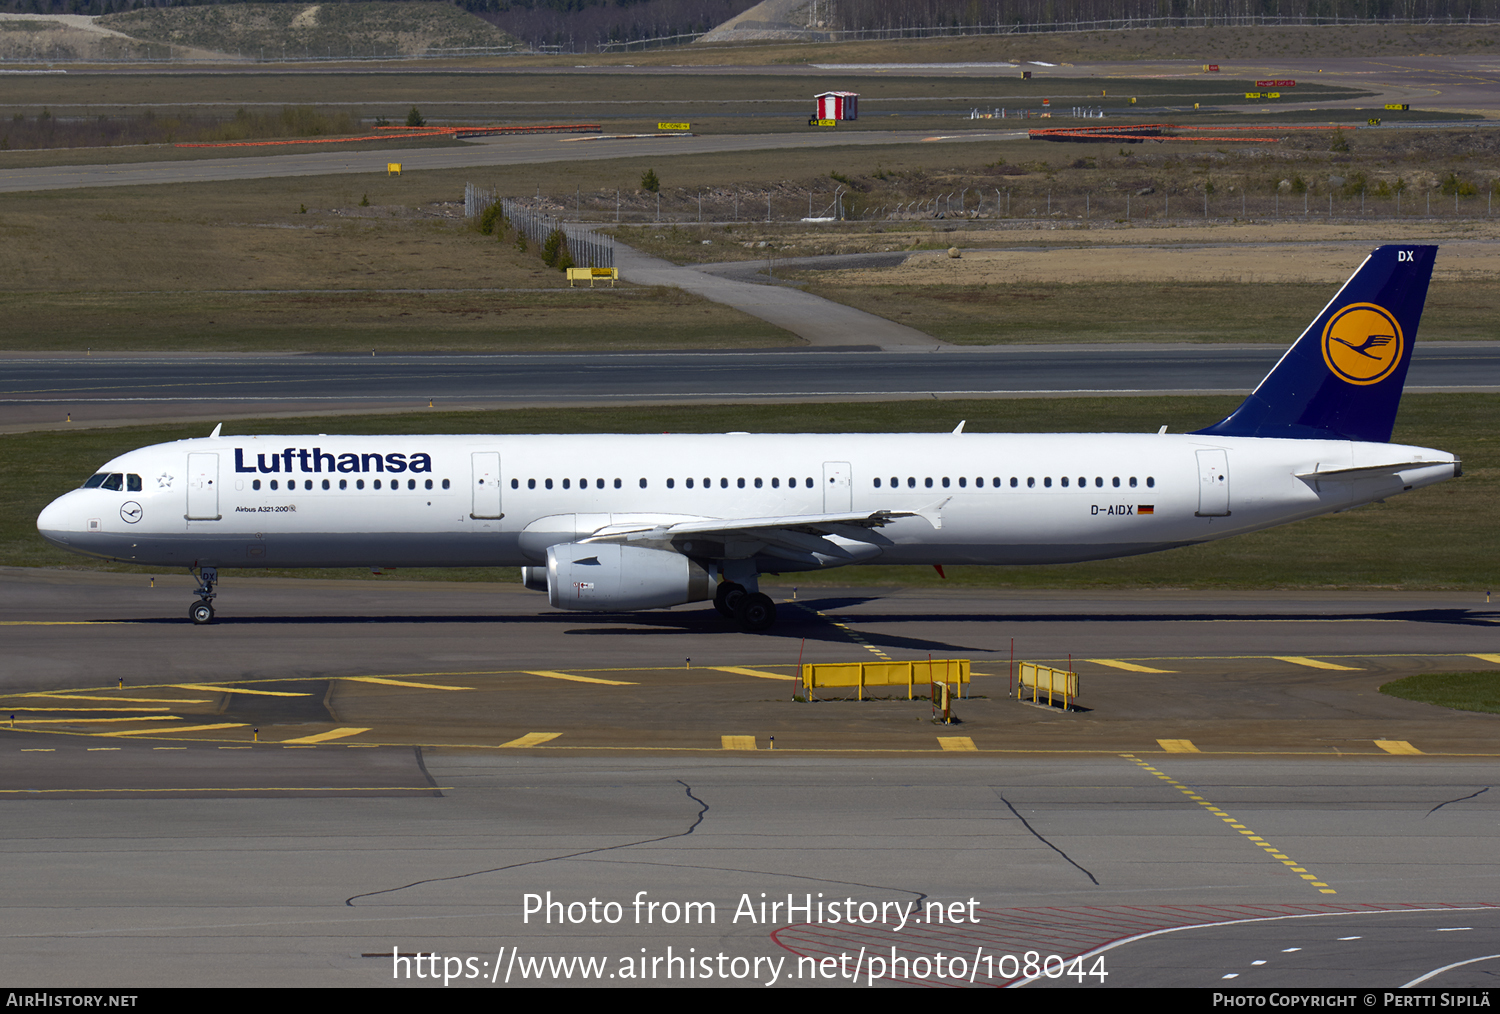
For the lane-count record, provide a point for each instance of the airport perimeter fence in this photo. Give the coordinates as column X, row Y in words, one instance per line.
column 155, row 52
column 586, row 249
column 723, row 207
column 1017, row 26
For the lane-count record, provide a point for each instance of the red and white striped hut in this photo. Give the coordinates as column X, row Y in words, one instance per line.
column 838, row 106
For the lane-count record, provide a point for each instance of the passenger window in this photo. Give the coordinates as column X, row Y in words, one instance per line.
column 723, row 483
column 689, row 483
column 376, row 483
column 1030, row 482
column 530, row 484
column 565, row 483
column 514, row 484
column 945, row 482
column 740, row 483
column 670, row 483
column 617, row 484
column 255, row 484
column 445, row 483
column 1132, row 482
column 343, row 484
column 776, row 482
column 757, row 482
column 643, row 484
column 1150, row 482
column 911, row 482
column 962, row 482
column 1047, row 482
column 1064, row 481
column 1117, row 482
column 359, row 484
column 547, row 483
column 325, row 483
column 598, row 483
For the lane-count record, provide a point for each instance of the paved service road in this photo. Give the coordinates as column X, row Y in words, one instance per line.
column 41, row 390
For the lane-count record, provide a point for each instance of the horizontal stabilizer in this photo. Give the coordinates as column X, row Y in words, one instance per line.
column 1373, row 471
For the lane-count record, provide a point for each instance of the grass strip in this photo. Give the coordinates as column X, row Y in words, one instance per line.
column 1462, row 691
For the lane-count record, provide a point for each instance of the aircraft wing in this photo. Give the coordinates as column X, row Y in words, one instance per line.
column 795, row 533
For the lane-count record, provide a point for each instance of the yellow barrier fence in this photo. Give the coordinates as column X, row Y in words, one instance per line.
column 816, row 675
column 1045, row 679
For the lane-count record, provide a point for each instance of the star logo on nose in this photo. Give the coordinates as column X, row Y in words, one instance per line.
column 164, row 481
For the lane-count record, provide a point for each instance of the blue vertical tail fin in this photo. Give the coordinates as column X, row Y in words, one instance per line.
column 1342, row 379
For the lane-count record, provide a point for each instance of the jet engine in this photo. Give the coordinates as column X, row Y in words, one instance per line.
column 608, row 576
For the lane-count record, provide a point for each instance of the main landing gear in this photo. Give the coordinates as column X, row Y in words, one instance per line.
column 202, row 611
column 751, row 611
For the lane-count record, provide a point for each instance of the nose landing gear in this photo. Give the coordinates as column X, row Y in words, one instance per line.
column 202, row 611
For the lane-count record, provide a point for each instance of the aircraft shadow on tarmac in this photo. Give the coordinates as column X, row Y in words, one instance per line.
column 802, row 620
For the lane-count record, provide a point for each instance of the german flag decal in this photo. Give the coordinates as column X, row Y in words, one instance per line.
column 1145, row 508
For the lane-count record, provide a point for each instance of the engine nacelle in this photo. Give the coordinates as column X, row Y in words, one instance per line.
column 607, row 577
column 534, row 578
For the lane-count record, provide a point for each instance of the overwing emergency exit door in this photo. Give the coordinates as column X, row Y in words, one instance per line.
column 838, row 488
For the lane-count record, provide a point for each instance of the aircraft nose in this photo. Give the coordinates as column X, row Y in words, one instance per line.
column 58, row 520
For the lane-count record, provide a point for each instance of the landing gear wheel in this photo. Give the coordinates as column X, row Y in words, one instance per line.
column 201, row 613
column 755, row 613
column 727, row 597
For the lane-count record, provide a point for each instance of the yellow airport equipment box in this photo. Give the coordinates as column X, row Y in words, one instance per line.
column 674, row 126
column 393, row 168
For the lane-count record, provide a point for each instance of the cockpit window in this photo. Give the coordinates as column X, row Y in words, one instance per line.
column 111, row 480
column 132, row 483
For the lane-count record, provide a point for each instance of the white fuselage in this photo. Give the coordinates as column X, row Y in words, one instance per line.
column 485, row 501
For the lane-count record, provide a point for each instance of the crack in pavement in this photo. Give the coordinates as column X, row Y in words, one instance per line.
column 702, row 811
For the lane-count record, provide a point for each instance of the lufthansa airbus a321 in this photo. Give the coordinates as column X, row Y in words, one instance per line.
column 619, row 522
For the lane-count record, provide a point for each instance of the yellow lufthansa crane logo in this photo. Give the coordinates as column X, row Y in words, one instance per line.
column 1362, row 343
